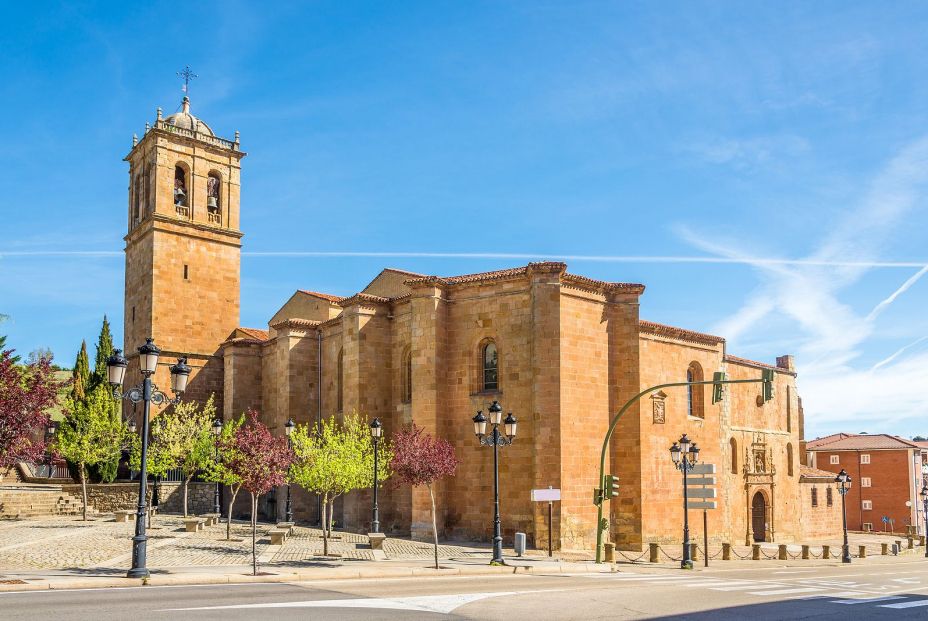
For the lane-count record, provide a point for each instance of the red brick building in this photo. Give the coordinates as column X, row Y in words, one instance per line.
column 886, row 473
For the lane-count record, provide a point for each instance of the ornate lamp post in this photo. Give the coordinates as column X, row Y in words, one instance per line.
column 685, row 455
column 217, row 430
column 288, row 429
column 845, row 480
column 496, row 440
column 925, row 507
column 147, row 393
column 49, row 436
column 376, row 433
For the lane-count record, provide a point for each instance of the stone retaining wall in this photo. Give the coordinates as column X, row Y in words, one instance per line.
column 109, row 497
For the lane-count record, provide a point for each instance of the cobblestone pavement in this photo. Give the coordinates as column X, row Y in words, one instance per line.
column 67, row 542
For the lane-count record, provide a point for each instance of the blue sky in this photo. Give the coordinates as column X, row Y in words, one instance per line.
column 783, row 145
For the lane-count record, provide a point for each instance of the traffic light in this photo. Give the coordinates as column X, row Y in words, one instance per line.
column 612, row 485
column 768, row 375
column 718, row 388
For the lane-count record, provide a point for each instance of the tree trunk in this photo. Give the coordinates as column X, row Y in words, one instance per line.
column 186, row 480
column 325, row 522
column 83, row 489
column 234, row 490
column 434, row 524
column 254, row 534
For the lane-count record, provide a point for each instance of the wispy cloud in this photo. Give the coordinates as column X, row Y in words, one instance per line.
column 810, row 292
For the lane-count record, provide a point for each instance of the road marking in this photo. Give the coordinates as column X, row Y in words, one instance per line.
column 785, row 591
column 918, row 602
column 827, row 595
column 907, row 580
column 444, row 604
column 714, row 583
column 866, row 600
column 744, row 587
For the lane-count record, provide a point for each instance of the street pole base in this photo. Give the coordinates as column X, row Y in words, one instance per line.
column 138, row 572
column 686, row 565
column 846, row 559
column 497, row 563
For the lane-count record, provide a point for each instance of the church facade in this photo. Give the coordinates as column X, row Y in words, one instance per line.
column 562, row 352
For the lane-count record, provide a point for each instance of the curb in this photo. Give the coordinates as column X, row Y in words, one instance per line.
column 341, row 573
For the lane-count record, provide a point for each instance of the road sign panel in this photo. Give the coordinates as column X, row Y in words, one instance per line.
column 707, row 504
column 703, row 469
column 546, row 495
column 701, row 492
column 700, row 480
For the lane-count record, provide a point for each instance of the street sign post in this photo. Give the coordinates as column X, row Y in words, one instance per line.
column 549, row 495
column 702, row 477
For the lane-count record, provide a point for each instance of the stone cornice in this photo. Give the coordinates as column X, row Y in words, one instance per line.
column 302, row 324
column 211, row 143
column 151, row 222
column 364, row 300
column 679, row 334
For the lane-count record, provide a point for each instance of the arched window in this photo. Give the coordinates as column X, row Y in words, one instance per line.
column 213, row 205
column 694, row 394
column 828, row 498
column 147, row 202
column 734, row 455
column 137, row 199
column 339, row 388
column 789, row 409
column 180, row 187
column 814, row 496
column 490, row 367
column 407, row 376
column 789, row 459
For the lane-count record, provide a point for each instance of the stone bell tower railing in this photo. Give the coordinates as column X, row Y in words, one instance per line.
column 216, row 141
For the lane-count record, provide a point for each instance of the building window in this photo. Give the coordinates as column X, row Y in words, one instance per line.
column 789, row 409
column 147, row 194
column 829, row 496
column 180, row 187
column 834, row 460
column 865, row 459
column 789, row 459
column 814, row 496
column 866, row 505
column 694, row 394
column 407, row 377
column 339, row 388
column 865, row 481
column 137, row 200
column 186, row 272
column 734, row 455
column 490, row 367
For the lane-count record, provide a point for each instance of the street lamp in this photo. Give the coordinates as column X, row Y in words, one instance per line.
column 376, row 433
column 146, row 393
column 845, row 480
column 925, row 507
column 288, row 429
column 496, row 440
column 684, row 455
column 49, row 435
column 217, row 430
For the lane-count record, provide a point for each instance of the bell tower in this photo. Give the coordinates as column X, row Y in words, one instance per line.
column 183, row 246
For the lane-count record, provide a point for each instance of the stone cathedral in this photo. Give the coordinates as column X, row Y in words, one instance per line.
column 562, row 352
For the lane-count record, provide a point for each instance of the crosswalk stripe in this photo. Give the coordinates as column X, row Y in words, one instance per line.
column 866, row 600
column 713, row 583
column 743, row 587
column 920, row 602
column 827, row 595
column 785, row 591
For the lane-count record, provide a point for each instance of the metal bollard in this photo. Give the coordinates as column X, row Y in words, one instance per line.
column 726, row 551
column 694, row 552
column 755, row 551
column 805, row 552
column 519, row 544
column 921, row 540
column 911, row 542
column 610, row 553
column 826, row 552
column 781, row 552
column 654, row 552
column 862, row 551
column 884, row 549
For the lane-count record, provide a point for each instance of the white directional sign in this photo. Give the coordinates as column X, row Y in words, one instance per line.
column 546, row 495
column 700, row 480
column 701, row 492
column 702, row 469
column 708, row 504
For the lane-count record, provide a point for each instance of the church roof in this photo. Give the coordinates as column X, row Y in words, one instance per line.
column 808, row 472
column 681, row 334
column 515, row 272
column 322, row 296
column 185, row 120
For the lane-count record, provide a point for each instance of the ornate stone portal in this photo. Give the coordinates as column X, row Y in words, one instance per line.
column 759, row 474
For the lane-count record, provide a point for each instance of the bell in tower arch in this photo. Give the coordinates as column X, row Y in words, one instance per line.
column 212, row 192
column 180, row 187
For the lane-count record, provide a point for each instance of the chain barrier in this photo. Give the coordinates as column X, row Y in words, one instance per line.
column 793, row 556
column 633, row 560
column 745, row 557
column 676, row 560
column 717, row 554
column 765, row 555
column 814, row 555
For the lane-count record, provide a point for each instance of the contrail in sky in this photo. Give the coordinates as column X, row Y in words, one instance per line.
column 295, row 254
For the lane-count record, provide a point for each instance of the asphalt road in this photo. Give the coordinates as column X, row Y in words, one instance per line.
column 899, row 589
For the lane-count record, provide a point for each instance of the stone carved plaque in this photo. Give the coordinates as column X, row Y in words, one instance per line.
column 659, row 407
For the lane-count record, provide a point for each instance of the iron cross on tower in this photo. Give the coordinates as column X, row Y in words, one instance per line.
column 187, row 75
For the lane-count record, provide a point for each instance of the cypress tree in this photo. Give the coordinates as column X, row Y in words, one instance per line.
column 104, row 351
column 80, row 375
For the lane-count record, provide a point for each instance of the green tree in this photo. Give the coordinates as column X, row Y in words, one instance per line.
column 3, row 318
column 219, row 470
column 333, row 459
column 81, row 374
column 91, row 434
column 182, row 438
column 104, row 351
